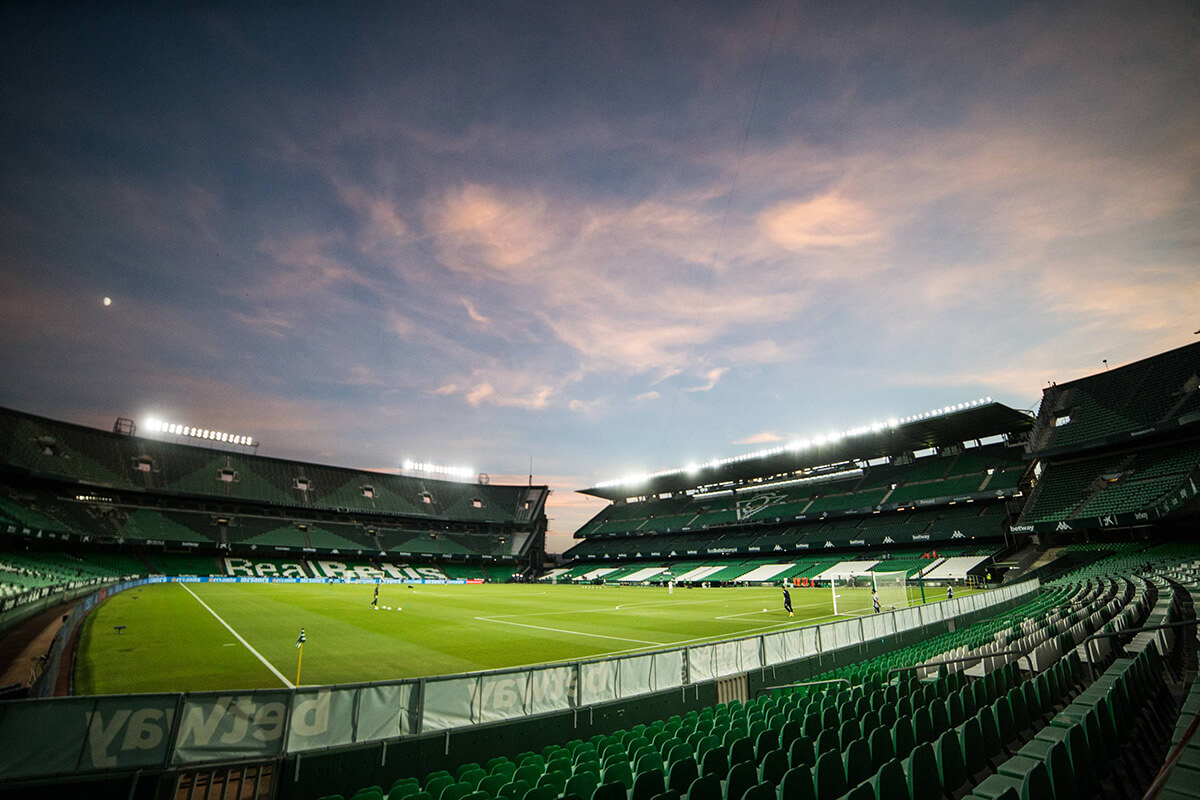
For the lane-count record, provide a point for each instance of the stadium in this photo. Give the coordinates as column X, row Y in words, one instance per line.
column 1034, row 635
column 527, row 400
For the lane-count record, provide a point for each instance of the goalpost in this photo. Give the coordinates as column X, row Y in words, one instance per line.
column 892, row 588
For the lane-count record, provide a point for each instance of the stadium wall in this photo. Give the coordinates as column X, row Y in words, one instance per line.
column 321, row 731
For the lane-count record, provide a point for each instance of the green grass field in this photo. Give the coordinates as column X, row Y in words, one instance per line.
column 172, row 642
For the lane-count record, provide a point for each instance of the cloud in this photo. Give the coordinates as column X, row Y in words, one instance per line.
column 646, row 397
column 514, row 395
column 586, row 407
column 826, row 221
column 712, row 376
column 763, row 437
column 477, row 394
column 484, row 227
column 626, row 287
column 474, row 314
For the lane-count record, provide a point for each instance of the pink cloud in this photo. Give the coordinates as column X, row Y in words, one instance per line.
column 712, row 376
column 826, row 221
column 763, row 437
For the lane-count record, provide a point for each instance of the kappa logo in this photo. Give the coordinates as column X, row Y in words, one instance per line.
column 888, row 540
column 778, row 547
column 752, row 505
column 1063, row 526
column 829, row 544
column 958, row 535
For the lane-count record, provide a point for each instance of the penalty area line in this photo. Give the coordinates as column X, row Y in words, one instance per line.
column 238, row 636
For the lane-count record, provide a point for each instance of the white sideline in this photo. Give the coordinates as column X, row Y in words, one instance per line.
column 238, row 636
column 564, row 630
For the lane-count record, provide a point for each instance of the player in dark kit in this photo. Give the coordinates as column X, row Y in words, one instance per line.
column 787, row 603
column 375, row 602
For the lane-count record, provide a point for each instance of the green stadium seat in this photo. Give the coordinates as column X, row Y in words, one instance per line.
column 902, row 737
column 889, row 782
column 1058, row 763
column 760, row 791
column 921, row 772
column 514, row 789
column 848, row 732
column 472, row 777
column 404, row 788
column 542, row 793
column 715, row 762
column 619, row 773
column 682, row 774
column 882, row 749
column 952, row 767
column 797, row 784
column 556, row 778
column 437, row 783
column 529, row 773
column 1080, row 755
column 829, row 776
column 456, row 791
column 647, row 761
column 856, row 760
column 490, row 784
column 801, row 753
column 647, row 785
column 706, row 787
column 610, row 791
column 741, row 777
column 742, row 749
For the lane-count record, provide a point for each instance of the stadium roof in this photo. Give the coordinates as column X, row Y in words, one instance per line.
column 977, row 422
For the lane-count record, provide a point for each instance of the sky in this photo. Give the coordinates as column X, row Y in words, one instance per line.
column 594, row 238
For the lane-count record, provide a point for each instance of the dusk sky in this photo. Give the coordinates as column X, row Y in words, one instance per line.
column 612, row 237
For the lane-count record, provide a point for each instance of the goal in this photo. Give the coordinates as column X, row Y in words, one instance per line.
column 893, row 590
column 852, row 593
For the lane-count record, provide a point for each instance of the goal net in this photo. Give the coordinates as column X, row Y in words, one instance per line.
column 892, row 588
column 852, row 592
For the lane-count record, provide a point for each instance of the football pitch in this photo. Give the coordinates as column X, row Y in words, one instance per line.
column 227, row 636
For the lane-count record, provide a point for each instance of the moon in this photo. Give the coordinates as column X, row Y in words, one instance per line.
column 107, row 302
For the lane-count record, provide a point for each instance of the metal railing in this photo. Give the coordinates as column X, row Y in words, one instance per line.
column 766, row 689
column 1086, row 643
column 1018, row 653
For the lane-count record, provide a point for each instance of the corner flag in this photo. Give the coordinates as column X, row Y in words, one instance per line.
column 300, row 655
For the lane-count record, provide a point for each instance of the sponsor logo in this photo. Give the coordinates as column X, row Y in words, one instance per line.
column 920, row 537
column 1063, row 526
column 1021, row 528
column 1108, row 521
column 888, row 540
column 1141, row 515
column 957, row 535
column 828, row 544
